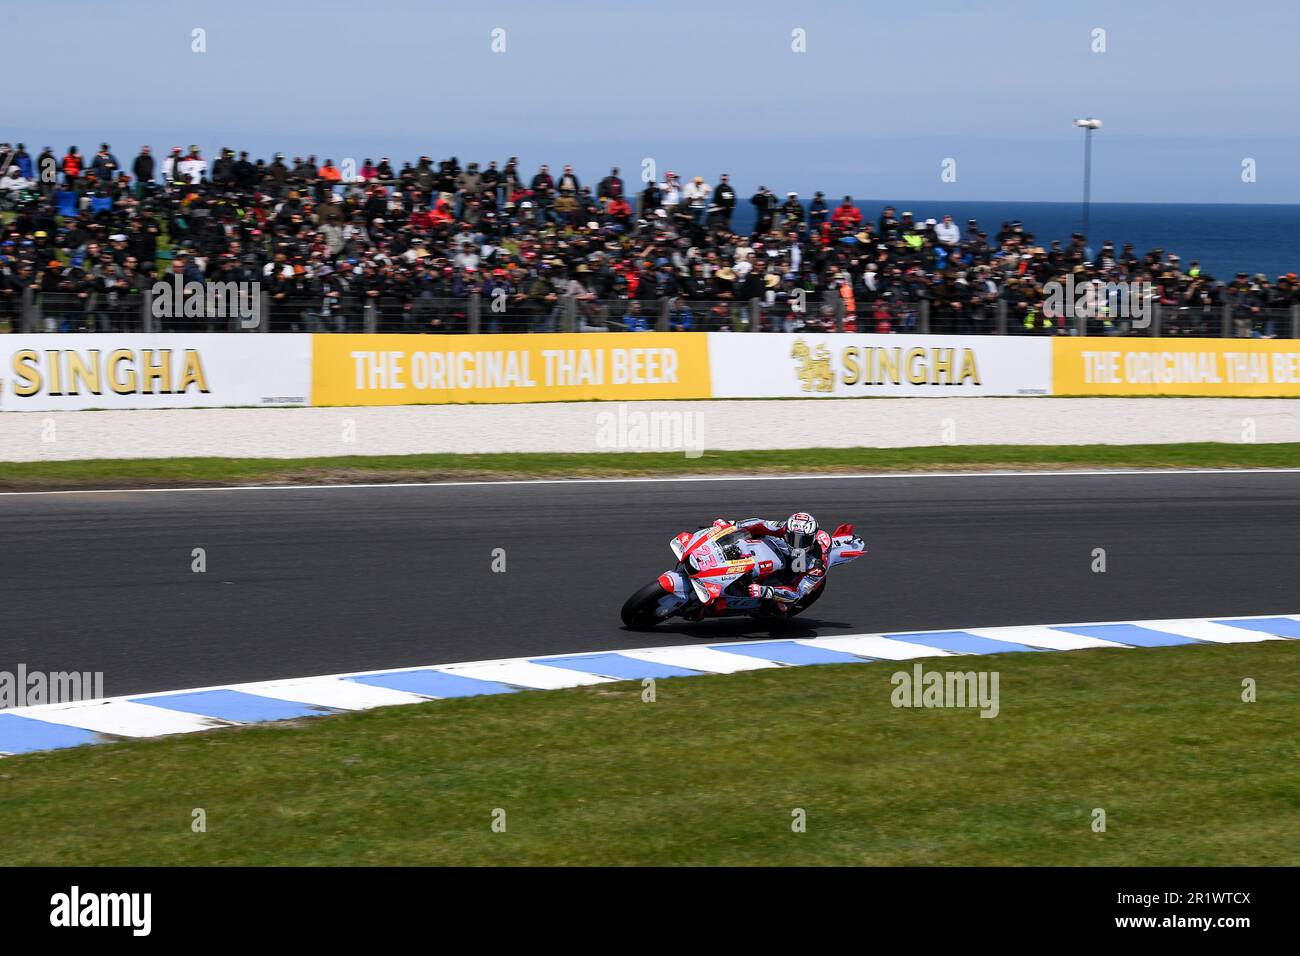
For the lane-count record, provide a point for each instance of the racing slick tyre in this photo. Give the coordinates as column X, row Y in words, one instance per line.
column 639, row 610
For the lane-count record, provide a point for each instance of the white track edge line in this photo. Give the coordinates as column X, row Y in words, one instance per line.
column 610, row 481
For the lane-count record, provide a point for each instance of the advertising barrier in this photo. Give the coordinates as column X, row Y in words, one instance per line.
column 1214, row 367
column 848, row 365
column 136, row 370
column 83, row 371
column 437, row 369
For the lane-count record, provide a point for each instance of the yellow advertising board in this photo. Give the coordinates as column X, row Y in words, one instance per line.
column 1225, row 367
column 444, row 369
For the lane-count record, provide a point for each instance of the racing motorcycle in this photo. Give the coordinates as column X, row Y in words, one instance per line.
column 715, row 566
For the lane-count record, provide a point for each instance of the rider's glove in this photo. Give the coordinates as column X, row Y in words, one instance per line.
column 759, row 591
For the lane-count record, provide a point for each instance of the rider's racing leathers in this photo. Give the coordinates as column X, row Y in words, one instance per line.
column 799, row 578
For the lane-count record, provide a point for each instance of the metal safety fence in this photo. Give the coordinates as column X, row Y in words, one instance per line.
column 31, row 309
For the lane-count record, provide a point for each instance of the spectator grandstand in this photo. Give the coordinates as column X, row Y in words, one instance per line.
column 445, row 247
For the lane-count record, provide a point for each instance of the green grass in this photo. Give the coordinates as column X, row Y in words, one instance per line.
column 710, row 772
column 217, row 471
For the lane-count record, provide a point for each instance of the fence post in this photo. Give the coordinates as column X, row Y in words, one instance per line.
column 370, row 316
column 755, row 316
column 1155, row 317
column 1226, row 330
column 1002, row 316
column 665, row 307
column 263, row 315
column 925, row 316
column 1295, row 321
column 474, row 313
column 838, row 306
column 30, row 315
column 146, row 309
column 568, row 314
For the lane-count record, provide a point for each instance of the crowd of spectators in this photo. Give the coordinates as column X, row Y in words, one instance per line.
column 415, row 242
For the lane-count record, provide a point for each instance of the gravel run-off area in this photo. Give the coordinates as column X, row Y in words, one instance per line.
column 633, row 426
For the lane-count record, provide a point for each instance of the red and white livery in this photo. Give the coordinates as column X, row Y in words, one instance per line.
column 752, row 567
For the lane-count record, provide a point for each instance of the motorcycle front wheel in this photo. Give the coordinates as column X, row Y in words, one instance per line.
column 639, row 610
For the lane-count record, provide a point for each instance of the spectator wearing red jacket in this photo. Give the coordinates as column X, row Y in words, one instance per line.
column 441, row 213
column 72, row 165
column 422, row 218
column 618, row 211
column 847, row 216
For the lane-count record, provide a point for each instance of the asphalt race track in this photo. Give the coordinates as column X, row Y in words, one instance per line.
column 318, row 581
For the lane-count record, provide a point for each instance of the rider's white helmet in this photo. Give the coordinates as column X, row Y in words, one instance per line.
column 800, row 531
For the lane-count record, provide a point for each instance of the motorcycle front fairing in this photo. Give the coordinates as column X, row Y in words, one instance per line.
column 845, row 547
column 712, row 560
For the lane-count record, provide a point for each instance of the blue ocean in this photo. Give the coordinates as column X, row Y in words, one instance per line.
column 1224, row 238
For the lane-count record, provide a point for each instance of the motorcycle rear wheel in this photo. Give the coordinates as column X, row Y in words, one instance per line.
column 639, row 610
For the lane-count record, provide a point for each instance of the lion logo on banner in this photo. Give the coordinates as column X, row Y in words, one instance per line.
column 814, row 369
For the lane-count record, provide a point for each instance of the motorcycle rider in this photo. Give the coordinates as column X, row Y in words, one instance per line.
column 805, row 548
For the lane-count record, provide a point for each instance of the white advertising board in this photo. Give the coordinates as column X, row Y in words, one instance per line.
column 137, row 370
column 853, row 365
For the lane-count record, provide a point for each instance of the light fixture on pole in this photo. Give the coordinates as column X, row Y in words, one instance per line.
column 1088, row 124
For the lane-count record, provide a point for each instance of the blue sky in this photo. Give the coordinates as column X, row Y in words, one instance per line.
column 884, row 93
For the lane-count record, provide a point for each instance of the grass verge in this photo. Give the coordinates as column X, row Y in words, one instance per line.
column 711, row 771
column 164, row 472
